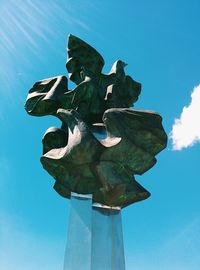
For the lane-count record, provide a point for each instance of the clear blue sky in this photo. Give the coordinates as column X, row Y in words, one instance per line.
column 160, row 41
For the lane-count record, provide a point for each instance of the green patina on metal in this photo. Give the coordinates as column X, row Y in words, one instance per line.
column 98, row 106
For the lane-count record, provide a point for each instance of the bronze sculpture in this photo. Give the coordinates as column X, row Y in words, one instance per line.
column 74, row 155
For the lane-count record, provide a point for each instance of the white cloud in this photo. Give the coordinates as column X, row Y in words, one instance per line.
column 186, row 129
column 21, row 249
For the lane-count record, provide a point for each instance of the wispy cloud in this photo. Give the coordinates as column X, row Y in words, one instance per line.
column 186, row 129
column 21, row 249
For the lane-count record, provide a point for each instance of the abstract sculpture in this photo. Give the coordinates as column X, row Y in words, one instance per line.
column 94, row 156
column 73, row 154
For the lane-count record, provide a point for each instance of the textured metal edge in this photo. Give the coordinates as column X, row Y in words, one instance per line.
column 99, row 205
column 77, row 195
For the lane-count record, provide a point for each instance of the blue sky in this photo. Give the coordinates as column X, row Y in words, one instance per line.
column 160, row 41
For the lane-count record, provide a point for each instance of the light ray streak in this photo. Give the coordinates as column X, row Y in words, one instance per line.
column 24, row 25
column 32, row 23
column 14, row 21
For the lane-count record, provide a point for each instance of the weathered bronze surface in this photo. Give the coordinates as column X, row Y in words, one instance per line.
column 98, row 106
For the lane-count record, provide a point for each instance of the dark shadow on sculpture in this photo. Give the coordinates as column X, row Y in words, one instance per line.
column 78, row 160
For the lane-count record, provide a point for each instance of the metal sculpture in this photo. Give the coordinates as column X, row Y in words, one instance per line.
column 98, row 106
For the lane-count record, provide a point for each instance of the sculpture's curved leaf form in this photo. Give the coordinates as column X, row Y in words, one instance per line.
column 142, row 137
column 54, row 138
column 81, row 56
column 45, row 96
column 72, row 165
column 105, row 169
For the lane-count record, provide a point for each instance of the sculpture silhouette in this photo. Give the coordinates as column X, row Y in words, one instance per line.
column 74, row 154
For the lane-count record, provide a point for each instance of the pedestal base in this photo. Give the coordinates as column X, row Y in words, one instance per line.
column 95, row 240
